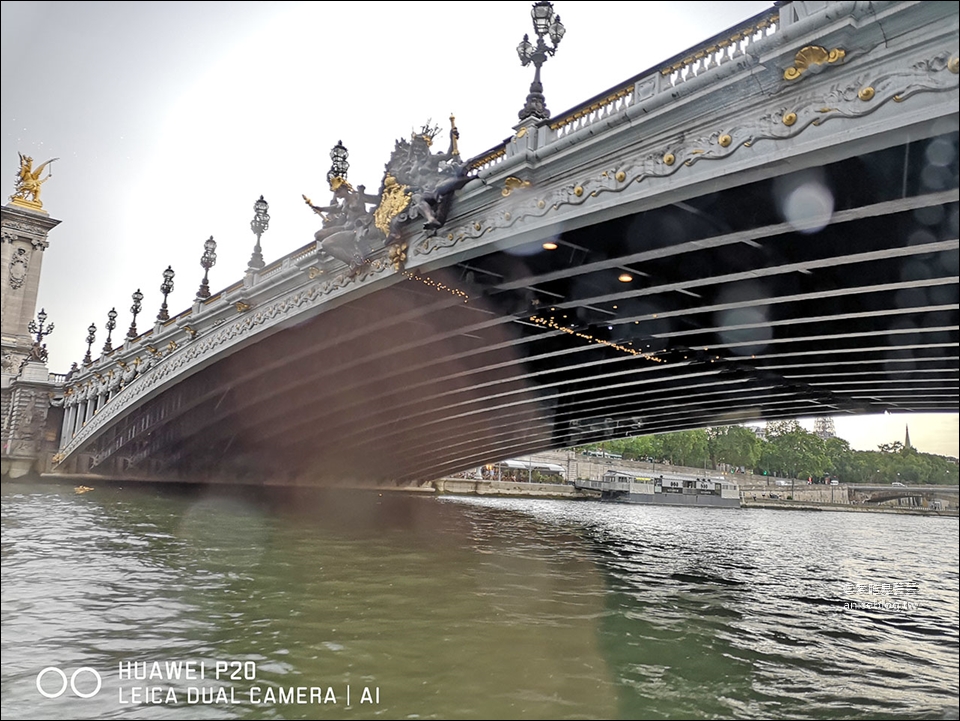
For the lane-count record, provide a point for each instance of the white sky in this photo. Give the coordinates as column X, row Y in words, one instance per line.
column 170, row 119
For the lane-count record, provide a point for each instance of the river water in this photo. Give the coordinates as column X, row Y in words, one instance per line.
column 424, row 607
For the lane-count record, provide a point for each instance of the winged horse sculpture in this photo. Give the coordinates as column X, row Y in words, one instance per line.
column 29, row 180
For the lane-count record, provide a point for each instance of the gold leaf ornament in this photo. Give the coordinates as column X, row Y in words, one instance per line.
column 397, row 255
column 393, row 201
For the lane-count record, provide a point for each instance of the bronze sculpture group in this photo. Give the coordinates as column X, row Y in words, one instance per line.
column 417, row 183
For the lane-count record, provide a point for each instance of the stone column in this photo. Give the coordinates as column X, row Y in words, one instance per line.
column 23, row 238
column 79, row 418
column 69, row 417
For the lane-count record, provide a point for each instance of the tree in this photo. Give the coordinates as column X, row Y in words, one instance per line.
column 839, row 458
column 792, row 451
column 685, row 448
column 735, row 445
column 789, row 450
column 644, row 447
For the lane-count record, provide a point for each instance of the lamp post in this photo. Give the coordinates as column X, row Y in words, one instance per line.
column 259, row 225
column 207, row 261
column 39, row 330
column 111, row 324
column 166, row 287
column 39, row 350
column 544, row 23
column 91, row 337
column 135, row 309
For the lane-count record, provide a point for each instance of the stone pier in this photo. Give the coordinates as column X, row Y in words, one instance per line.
column 27, row 388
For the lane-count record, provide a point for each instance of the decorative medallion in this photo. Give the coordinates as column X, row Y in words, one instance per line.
column 512, row 183
column 18, row 268
column 810, row 57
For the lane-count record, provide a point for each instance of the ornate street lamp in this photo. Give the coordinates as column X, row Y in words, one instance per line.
column 39, row 350
column 135, row 309
column 207, row 261
column 259, row 225
column 91, row 337
column 166, row 287
column 339, row 166
column 39, row 330
column 544, row 23
column 111, row 324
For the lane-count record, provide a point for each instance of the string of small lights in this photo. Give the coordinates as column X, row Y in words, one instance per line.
column 430, row 283
column 553, row 325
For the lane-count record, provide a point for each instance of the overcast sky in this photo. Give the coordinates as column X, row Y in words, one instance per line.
column 170, row 119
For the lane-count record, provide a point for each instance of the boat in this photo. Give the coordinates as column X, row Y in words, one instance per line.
column 664, row 489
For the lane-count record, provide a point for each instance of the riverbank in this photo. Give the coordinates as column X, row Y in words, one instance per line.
column 460, row 486
column 456, row 486
column 563, row 491
column 506, row 489
column 800, row 506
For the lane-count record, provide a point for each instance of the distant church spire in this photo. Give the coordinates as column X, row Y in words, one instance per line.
column 906, row 441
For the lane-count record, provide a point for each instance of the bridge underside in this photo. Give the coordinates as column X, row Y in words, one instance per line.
column 823, row 292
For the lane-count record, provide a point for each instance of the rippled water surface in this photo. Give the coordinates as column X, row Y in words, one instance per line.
column 469, row 608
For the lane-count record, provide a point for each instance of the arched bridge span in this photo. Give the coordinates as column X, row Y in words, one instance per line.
column 753, row 243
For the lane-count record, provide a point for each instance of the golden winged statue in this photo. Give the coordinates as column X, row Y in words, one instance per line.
column 27, row 191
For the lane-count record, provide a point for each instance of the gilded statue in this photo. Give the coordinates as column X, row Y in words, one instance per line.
column 29, row 181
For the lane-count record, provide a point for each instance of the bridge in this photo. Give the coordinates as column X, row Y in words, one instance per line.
column 763, row 227
column 919, row 496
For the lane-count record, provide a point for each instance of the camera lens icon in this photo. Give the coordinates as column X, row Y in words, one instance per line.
column 72, row 682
